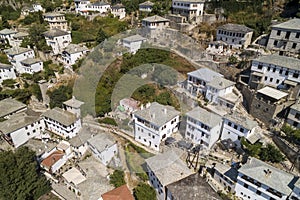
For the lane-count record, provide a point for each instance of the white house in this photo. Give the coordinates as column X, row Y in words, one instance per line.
column 98, row 6
column 7, row 35
column 192, row 10
column 73, row 105
column 133, row 43
column 118, row 11
column 165, row 169
column 79, row 142
column 236, row 126
column 56, row 21
column 235, row 35
column 280, row 72
column 225, row 175
column 80, row 5
column 21, row 127
column 30, row 66
column 197, row 80
column 72, row 53
column 53, row 160
column 6, row 72
column 285, row 37
column 10, row 106
column 18, row 38
column 38, row 7
column 221, row 91
column 146, row 6
column 17, row 54
column 62, row 122
column 72, row 178
column 154, row 124
column 259, row 180
column 155, row 22
column 104, row 147
column 294, row 116
column 203, row 127
column 58, row 40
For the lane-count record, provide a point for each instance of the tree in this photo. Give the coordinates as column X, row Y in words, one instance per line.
column 59, row 95
column 20, row 176
column 144, row 192
column 36, row 37
column 117, row 178
column 101, row 36
column 271, row 154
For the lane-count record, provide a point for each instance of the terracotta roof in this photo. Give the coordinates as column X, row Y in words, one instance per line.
column 120, row 193
column 52, row 159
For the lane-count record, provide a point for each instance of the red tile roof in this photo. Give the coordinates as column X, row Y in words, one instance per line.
column 120, row 193
column 52, row 159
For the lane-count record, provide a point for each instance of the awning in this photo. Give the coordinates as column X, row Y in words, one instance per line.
column 258, row 74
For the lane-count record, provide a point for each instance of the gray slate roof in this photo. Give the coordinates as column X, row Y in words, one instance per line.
column 146, row 3
column 193, row 187
column 235, row 28
column 7, row 31
column 53, row 14
column 20, row 35
column 5, row 66
column 30, row 61
column 9, row 105
column 168, row 167
column 296, row 106
column 155, row 18
column 160, row 117
column 244, row 121
column 192, row 1
column 16, row 50
column 278, row 179
column 220, row 83
column 134, row 38
column 101, row 141
column 205, row 74
column 282, row 61
column 202, row 115
column 82, row 137
column 118, row 6
column 74, row 103
column 75, row 48
column 99, row 3
column 290, row 24
column 62, row 116
column 55, row 33
column 17, row 122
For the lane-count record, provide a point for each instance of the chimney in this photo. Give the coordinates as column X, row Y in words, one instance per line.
column 268, row 172
column 142, row 106
column 148, row 105
column 165, row 110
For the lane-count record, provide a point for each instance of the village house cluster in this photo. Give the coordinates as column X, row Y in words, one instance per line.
column 223, row 112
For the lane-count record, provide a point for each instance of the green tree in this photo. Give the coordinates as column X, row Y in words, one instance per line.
column 101, row 36
column 117, row 178
column 59, row 95
column 20, row 176
column 36, row 38
column 271, row 154
column 144, row 192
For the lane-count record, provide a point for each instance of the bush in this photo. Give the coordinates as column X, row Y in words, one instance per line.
column 108, row 120
column 9, row 83
column 144, row 192
column 117, row 178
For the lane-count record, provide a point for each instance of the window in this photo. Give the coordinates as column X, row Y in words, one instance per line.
column 245, row 185
column 242, row 130
column 28, row 133
column 280, row 71
column 278, row 32
column 269, row 68
column 297, row 35
column 260, row 67
column 271, row 79
column 295, row 75
column 294, row 45
column 286, row 73
column 274, row 69
column 275, row 42
column 266, row 78
column 235, row 126
column 229, row 123
column 297, row 116
column 287, row 35
column 277, row 81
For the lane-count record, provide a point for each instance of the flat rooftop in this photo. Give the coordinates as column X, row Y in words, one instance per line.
column 272, row 92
